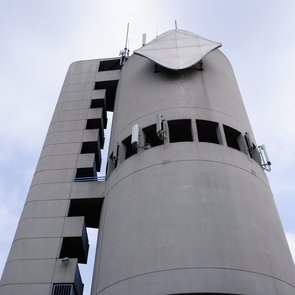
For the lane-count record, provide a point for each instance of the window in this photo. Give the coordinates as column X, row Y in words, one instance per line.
column 151, row 138
column 89, row 147
column 90, row 208
column 97, row 103
column 97, row 124
column 100, row 103
column 128, row 147
column 111, row 88
column 86, row 173
column 232, row 137
column 207, row 131
column 74, row 247
column 180, row 130
column 110, row 65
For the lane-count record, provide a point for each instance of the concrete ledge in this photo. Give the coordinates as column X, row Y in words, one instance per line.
column 93, row 189
column 86, row 161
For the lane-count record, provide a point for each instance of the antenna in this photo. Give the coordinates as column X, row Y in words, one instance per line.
column 264, row 157
column 143, row 39
column 160, row 127
column 125, row 52
column 135, row 137
column 127, row 33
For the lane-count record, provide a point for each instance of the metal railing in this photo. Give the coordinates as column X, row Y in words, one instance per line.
column 63, row 289
column 90, row 178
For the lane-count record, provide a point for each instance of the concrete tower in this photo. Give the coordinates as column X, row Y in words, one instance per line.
column 185, row 208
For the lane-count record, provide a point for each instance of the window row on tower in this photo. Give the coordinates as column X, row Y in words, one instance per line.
column 181, row 131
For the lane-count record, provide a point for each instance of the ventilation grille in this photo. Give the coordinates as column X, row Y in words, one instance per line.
column 63, row 289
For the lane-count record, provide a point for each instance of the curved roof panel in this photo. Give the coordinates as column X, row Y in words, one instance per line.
column 177, row 49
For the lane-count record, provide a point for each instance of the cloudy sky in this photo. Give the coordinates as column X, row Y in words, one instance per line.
column 39, row 39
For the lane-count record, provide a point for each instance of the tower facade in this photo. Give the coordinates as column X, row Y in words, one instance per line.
column 185, row 207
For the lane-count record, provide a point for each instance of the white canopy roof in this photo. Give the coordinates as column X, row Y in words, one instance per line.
column 177, row 49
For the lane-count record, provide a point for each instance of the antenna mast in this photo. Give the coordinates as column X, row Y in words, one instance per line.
column 125, row 52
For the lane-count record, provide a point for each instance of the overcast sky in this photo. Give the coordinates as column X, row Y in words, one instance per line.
column 39, row 39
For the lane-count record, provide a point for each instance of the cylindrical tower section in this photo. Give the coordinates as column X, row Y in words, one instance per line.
column 193, row 213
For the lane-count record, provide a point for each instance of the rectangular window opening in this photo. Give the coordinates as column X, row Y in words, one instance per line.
column 94, row 124
column 100, row 103
column 97, row 103
column 128, row 147
column 111, row 88
column 207, row 131
column 86, row 173
column 110, row 65
column 89, row 208
column 89, row 147
column 92, row 147
column 232, row 137
column 151, row 138
column 97, row 124
column 75, row 247
column 180, row 130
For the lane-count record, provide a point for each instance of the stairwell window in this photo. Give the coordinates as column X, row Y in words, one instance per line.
column 110, row 65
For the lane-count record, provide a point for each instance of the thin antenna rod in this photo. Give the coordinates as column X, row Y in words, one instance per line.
column 125, row 53
column 127, row 36
column 143, row 39
column 175, row 25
